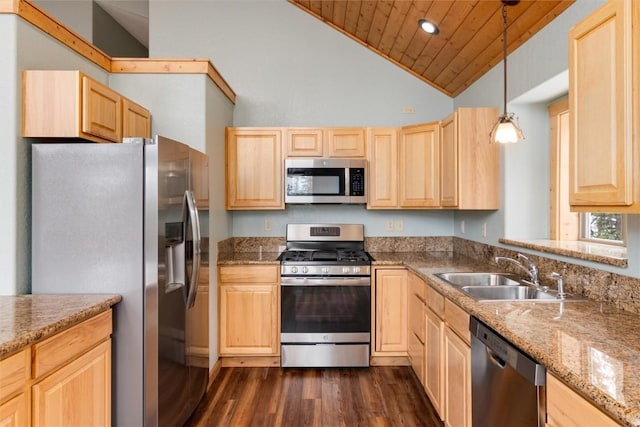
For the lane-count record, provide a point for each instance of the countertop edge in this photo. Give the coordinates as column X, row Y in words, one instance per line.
column 41, row 333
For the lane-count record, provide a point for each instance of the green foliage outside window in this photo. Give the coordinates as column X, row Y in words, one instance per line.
column 605, row 226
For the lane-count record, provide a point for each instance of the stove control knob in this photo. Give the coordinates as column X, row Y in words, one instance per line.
column 345, row 270
column 325, row 269
column 356, row 269
column 305, row 270
column 294, row 270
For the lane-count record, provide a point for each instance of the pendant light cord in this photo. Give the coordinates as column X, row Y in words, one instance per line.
column 504, row 51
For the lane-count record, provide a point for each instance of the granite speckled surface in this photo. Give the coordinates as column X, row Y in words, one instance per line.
column 604, row 254
column 26, row 319
column 231, row 258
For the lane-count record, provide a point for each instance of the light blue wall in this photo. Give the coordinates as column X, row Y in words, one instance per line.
column 22, row 47
column 289, row 69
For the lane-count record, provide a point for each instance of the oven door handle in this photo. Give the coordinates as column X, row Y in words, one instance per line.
column 330, row 281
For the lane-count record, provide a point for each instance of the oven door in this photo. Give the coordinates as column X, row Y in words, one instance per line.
column 326, row 310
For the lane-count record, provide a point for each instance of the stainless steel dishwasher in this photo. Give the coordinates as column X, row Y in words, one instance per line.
column 508, row 387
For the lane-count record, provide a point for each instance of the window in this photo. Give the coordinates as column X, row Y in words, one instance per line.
column 606, row 228
column 603, row 227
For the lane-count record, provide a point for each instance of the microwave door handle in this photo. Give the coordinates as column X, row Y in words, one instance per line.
column 347, row 182
column 195, row 231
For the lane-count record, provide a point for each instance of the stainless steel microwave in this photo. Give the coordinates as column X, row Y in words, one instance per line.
column 337, row 181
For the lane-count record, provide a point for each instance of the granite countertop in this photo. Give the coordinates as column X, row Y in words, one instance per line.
column 593, row 347
column 26, row 319
column 231, row 258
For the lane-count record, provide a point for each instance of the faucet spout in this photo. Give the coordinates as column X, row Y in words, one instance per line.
column 531, row 269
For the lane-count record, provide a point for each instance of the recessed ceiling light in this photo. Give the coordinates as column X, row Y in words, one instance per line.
column 428, row 27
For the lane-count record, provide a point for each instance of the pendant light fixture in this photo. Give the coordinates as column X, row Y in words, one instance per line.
column 507, row 129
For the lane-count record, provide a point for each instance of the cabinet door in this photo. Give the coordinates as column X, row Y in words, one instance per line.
column 449, row 161
column 199, row 175
column 101, row 111
column 304, row 142
column 249, row 319
column 419, row 166
column 566, row 408
column 457, row 381
column 345, row 142
column 434, row 360
column 136, row 120
column 382, row 176
column 416, row 356
column 600, row 107
column 15, row 412
column 254, row 168
column 78, row 394
column 197, row 319
column 391, row 312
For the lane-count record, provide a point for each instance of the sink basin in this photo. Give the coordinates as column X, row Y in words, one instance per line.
column 511, row 293
column 501, row 287
column 479, row 279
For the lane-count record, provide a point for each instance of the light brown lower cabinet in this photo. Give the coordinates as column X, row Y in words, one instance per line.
column 457, row 380
column 565, row 408
column 249, row 310
column 434, row 361
column 62, row 380
column 390, row 311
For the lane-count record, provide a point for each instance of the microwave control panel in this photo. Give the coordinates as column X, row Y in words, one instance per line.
column 356, row 178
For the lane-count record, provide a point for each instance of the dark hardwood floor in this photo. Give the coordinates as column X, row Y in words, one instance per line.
column 377, row 396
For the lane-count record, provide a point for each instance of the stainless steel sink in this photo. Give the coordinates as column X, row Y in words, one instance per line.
column 522, row 292
column 502, row 287
column 479, row 279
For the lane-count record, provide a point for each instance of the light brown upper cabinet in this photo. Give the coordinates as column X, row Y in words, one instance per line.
column 254, row 168
column 604, row 109
column 304, row 142
column 136, row 120
column 345, row 142
column 325, row 142
column 469, row 162
column 419, row 166
column 69, row 104
column 382, row 173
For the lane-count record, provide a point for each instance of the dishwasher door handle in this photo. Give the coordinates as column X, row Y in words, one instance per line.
column 493, row 357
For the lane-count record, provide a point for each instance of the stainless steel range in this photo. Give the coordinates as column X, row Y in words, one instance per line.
column 326, row 296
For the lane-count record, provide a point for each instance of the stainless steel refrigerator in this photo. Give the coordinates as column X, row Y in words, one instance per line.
column 121, row 218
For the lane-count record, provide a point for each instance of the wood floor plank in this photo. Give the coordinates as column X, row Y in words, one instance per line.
column 380, row 396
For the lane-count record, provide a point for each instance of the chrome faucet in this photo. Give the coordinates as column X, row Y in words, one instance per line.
column 558, row 278
column 530, row 268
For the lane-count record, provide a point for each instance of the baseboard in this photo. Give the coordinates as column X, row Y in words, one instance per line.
column 389, row 361
column 251, row 361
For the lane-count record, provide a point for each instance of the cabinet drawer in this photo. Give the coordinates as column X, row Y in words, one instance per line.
column 14, row 372
column 204, row 276
column 435, row 302
column 458, row 320
column 67, row 345
column 249, row 274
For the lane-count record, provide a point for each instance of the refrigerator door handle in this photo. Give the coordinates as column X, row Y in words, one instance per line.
column 195, row 231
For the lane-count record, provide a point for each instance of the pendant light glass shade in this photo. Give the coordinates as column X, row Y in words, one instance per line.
column 507, row 129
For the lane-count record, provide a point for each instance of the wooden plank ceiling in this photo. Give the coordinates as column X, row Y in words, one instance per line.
column 470, row 39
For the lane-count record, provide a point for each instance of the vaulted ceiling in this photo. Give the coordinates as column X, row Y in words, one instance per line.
column 469, row 43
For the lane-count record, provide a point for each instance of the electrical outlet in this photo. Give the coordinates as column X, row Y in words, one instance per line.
column 267, row 225
column 484, row 229
column 399, row 225
column 389, row 225
column 462, row 226
column 408, row 110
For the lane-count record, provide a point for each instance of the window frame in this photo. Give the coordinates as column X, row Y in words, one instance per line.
column 584, row 230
